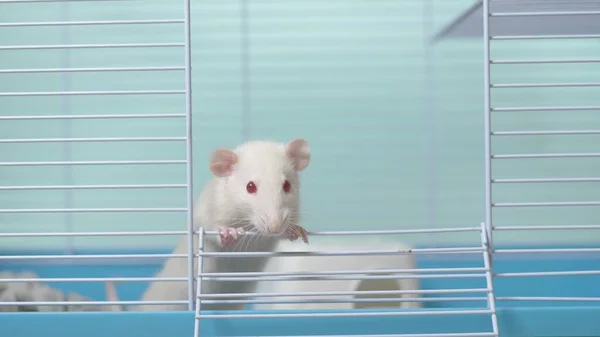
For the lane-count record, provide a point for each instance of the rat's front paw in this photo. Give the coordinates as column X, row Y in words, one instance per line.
column 294, row 232
column 228, row 235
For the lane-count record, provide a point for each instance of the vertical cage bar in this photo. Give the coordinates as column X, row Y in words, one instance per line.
column 430, row 100
column 199, row 281
column 487, row 121
column 487, row 264
column 245, row 66
column 65, row 78
column 189, row 157
column 487, row 226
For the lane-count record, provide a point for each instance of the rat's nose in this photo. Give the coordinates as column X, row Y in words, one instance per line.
column 274, row 226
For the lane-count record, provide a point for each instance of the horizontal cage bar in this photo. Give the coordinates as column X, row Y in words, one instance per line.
column 544, row 133
column 91, row 257
column 380, row 232
column 90, row 23
column 546, row 180
column 544, row 61
column 547, row 227
column 94, row 279
column 466, row 334
column 544, row 204
column 75, row 234
column 547, row 250
column 348, row 300
column 108, row 139
column 549, row 273
column 107, row 116
column 547, row 108
column 37, row 1
column 348, row 293
column 546, row 37
column 353, row 314
column 100, row 162
column 84, row 70
column 546, row 155
column 92, row 210
column 90, row 187
column 92, row 46
column 555, row 13
column 557, row 299
column 345, row 272
column 341, row 277
column 545, row 85
column 92, row 93
column 91, row 303
column 465, row 250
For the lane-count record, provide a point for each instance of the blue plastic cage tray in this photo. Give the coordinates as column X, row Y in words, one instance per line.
column 515, row 318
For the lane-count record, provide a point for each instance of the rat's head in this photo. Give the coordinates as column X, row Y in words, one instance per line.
column 261, row 179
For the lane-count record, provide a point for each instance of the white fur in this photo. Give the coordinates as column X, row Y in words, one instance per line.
column 225, row 202
column 324, row 264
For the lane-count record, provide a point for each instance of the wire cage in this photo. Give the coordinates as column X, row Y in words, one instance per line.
column 482, row 289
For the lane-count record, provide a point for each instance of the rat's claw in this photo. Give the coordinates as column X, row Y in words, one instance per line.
column 228, row 235
column 294, row 232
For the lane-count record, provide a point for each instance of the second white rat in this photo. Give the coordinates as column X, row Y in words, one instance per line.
column 256, row 189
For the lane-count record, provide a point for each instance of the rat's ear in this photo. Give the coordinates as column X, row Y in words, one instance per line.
column 298, row 150
column 222, row 162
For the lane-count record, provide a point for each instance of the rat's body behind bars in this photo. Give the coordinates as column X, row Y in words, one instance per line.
column 255, row 189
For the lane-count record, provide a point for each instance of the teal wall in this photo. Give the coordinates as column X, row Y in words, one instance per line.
column 350, row 76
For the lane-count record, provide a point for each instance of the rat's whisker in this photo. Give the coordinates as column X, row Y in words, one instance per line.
column 246, row 238
column 256, row 236
column 251, row 238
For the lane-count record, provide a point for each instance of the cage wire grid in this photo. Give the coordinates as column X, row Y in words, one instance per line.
column 196, row 299
column 188, row 162
column 65, row 69
column 187, row 139
column 534, row 9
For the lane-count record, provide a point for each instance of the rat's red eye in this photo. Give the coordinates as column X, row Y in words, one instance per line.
column 287, row 186
column 251, row 188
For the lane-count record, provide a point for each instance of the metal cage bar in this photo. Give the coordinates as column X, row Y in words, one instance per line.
column 487, row 120
column 65, row 92
column 189, row 151
column 487, row 225
column 508, row 206
column 271, row 297
column 195, row 295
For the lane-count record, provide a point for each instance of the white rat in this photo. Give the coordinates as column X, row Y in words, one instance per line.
column 256, row 189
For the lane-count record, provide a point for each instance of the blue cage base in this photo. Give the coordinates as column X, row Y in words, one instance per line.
column 515, row 318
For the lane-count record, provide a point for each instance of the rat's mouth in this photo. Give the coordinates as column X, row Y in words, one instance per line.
column 270, row 227
column 273, row 233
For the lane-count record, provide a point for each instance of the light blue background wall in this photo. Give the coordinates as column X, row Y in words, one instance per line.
column 348, row 75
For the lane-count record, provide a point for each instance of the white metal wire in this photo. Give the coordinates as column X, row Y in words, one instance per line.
column 545, row 61
column 196, row 297
column 537, row 226
column 486, row 293
column 188, row 149
column 65, row 93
